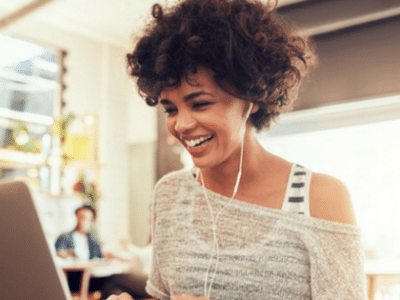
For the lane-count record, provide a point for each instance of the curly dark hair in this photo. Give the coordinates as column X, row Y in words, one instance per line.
column 244, row 42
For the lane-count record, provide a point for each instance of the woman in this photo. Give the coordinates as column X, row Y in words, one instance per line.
column 244, row 223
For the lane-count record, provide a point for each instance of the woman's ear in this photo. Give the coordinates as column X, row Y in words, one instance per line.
column 255, row 108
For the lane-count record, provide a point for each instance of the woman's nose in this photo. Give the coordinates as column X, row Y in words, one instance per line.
column 184, row 122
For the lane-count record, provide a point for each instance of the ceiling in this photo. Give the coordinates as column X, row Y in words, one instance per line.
column 326, row 16
column 114, row 21
column 106, row 20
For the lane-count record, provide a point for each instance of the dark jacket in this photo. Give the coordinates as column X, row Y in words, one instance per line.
column 65, row 241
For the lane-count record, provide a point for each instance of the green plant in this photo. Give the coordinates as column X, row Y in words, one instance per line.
column 60, row 128
column 86, row 189
column 21, row 141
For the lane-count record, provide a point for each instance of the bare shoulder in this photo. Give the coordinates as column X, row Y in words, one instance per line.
column 330, row 200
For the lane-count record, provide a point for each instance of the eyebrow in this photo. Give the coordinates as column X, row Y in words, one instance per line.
column 186, row 98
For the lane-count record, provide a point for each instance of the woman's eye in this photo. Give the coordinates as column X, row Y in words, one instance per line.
column 200, row 104
column 169, row 110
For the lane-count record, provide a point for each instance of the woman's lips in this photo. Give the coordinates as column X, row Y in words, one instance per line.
column 200, row 146
column 198, row 141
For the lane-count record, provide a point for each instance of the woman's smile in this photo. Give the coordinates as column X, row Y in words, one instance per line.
column 198, row 146
column 204, row 118
column 194, row 143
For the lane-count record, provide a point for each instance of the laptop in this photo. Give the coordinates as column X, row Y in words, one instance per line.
column 27, row 267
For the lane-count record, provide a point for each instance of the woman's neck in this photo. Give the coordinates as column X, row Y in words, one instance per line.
column 222, row 178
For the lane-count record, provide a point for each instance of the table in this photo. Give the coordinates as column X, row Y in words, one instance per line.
column 95, row 268
column 375, row 268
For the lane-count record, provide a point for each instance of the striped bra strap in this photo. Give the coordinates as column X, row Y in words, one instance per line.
column 297, row 191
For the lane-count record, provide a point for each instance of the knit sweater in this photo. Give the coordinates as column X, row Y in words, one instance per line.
column 264, row 253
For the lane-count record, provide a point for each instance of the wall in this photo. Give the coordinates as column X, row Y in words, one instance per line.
column 357, row 43
column 97, row 83
column 141, row 183
column 168, row 148
column 357, row 63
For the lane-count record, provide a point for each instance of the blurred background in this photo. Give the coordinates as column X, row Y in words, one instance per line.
column 71, row 117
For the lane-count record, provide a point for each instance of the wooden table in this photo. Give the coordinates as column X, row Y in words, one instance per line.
column 95, row 268
column 380, row 268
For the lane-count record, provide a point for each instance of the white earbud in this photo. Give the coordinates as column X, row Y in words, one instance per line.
column 249, row 111
column 243, row 125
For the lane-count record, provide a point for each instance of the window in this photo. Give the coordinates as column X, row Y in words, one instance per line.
column 357, row 143
column 29, row 99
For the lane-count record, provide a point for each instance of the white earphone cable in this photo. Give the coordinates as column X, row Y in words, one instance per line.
column 215, row 246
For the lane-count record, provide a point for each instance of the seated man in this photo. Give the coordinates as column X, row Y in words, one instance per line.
column 81, row 245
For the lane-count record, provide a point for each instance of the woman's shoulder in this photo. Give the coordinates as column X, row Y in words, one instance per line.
column 330, row 200
column 175, row 178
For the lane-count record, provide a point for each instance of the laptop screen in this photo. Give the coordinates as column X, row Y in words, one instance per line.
column 27, row 267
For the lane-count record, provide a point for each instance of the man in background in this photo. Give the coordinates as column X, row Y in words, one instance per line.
column 80, row 243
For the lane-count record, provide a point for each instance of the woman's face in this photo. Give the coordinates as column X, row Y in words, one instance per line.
column 205, row 119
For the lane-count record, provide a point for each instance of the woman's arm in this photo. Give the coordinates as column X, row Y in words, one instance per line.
column 337, row 260
column 330, row 200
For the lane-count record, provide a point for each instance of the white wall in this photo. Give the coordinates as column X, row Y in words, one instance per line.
column 140, row 115
column 97, row 82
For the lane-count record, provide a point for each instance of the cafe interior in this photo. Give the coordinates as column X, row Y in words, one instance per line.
column 70, row 117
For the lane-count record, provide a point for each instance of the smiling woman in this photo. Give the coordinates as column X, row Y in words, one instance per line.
column 243, row 223
column 204, row 118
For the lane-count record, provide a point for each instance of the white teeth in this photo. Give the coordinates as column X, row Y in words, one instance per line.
column 196, row 142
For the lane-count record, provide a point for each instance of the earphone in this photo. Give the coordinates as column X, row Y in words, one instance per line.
column 249, row 111
column 207, row 290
